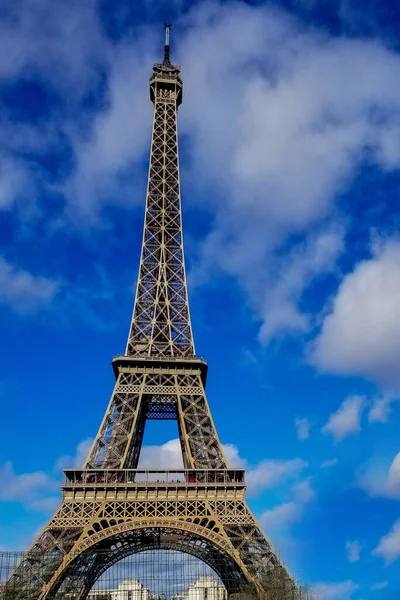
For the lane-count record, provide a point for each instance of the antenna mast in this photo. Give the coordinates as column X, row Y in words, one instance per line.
column 166, row 47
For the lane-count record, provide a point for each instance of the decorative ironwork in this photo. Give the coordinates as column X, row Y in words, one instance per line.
column 110, row 505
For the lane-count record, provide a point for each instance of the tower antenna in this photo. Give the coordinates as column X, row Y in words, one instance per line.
column 166, row 47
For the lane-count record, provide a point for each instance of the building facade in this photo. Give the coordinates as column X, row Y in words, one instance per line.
column 205, row 588
column 128, row 589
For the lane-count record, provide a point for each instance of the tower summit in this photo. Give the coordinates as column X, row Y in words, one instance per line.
column 110, row 508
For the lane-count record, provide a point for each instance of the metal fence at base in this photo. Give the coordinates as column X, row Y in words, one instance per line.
column 147, row 575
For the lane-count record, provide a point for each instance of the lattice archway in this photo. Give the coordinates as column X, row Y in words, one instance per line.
column 97, row 553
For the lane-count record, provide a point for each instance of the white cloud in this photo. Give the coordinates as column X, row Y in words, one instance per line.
column 14, row 180
column 38, row 490
column 24, row 487
column 74, row 38
column 281, row 516
column 334, row 591
column 294, row 273
column 233, row 457
column 379, row 481
column 346, row 420
column 379, row 586
column 24, row 292
column 393, row 480
column 302, row 428
column 353, row 549
column 303, row 492
column 270, row 473
column 49, row 504
column 284, row 515
column 381, row 409
column 297, row 142
column 82, row 452
column 389, row 545
column 78, row 459
column 361, row 335
column 70, row 69
column 296, row 137
column 119, row 136
column 329, row 463
column 167, row 456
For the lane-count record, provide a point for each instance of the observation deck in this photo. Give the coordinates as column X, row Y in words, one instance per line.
column 154, row 478
column 152, row 364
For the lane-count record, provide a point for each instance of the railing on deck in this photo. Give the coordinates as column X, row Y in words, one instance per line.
column 161, row 357
column 178, row 477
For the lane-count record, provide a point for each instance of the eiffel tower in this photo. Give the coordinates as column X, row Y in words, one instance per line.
column 110, row 508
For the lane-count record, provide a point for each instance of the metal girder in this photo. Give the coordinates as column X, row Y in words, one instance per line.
column 162, row 393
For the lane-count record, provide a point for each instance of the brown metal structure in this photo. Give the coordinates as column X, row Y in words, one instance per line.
column 110, row 507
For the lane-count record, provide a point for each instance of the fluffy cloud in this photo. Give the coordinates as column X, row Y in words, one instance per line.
column 379, row 481
column 284, row 515
column 33, row 490
column 329, row 463
column 79, row 53
column 117, row 141
column 269, row 473
column 101, row 135
column 296, row 143
column 20, row 487
column 45, row 505
column 293, row 274
column 39, row 491
column 393, row 480
column 361, row 335
column 346, row 420
column 14, row 180
column 24, row 292
column 78, row 459
column 281, row 516
column 389, row 545
column 379, row 586
column 296, row 138
column 381, row 409
column 334, row 591
column 167, row 456
column 233, row 457
column 302, row 428
column 73, row 36
column 353, row 549
column 303, row 491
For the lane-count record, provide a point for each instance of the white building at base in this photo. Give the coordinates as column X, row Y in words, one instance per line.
column 128, row 589
column 205, row 588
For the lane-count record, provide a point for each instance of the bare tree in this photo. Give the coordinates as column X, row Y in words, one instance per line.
column 275, row 585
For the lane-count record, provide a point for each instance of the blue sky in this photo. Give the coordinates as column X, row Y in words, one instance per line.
column 290, row 160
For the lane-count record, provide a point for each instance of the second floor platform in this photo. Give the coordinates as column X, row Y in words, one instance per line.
column 150, row 478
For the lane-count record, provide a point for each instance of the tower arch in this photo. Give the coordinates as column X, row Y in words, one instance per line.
column 96, row 554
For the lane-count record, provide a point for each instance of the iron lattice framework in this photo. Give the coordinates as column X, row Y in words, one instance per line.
column 161, row 322
column 110, row 508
